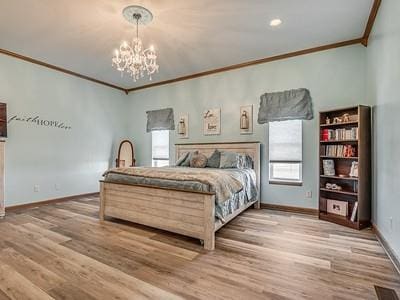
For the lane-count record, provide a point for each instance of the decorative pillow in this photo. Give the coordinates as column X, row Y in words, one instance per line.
column 229, row 160
column 186, row 162
column 214, row 159
column 198, row 160
column 245, row 161
column 181, row 159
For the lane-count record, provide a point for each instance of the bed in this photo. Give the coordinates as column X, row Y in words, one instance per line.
column 194, row 208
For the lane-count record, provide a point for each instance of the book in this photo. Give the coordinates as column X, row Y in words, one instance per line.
column 354, row 212
column 341, row 134
column 339, row 150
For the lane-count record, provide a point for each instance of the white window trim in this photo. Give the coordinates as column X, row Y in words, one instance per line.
column 285, row 181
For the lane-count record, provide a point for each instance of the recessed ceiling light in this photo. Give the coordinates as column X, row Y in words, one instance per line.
column 275, row 22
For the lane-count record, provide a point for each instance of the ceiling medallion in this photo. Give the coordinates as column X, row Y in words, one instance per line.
column 132, row 58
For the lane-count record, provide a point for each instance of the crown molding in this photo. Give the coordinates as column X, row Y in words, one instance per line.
column 59, row 69
column 371, row 21
column 250, row 63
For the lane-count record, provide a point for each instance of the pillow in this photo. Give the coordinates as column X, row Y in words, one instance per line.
column 198, row 160
column 214, row 159
column 229, row 160
column 181, row 159
column 245, row 162
column 186, row 162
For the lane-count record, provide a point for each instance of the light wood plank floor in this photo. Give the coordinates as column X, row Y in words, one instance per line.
column 62, row 251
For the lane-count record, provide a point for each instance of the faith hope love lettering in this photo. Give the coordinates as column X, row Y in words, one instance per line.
column 40, row 122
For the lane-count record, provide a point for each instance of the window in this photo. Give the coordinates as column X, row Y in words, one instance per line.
column 285, row 152
column 160, row 148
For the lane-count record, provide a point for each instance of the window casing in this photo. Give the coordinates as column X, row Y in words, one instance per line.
column 285, row 152
column 160, row 148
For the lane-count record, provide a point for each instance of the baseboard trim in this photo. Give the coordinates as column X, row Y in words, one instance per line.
column 292, row 209
column 389, row 251
column 49, row 201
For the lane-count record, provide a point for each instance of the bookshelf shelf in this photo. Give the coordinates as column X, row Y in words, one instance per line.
column 338, row 141
column 339, row 157
column 332, row 155
column 339, row 192
column 341, row 220
column 339, row 124
column 338, row 177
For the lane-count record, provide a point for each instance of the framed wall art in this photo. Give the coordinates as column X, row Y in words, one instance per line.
column 212, row 121
column 183, row 126
column 246, row 119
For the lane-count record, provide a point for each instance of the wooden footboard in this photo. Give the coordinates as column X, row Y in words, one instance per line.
column 188, row 213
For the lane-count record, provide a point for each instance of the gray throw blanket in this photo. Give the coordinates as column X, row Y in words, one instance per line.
column 221, row 182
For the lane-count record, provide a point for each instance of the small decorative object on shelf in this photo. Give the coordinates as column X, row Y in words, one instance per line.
column 337, row 207
column 346, row 118
column 333, row 186
column 329, row 167
column 337, row 120
column 354, row 169
column 345, row 166
column 327, row 121
column 354, row 212
column 355, row 186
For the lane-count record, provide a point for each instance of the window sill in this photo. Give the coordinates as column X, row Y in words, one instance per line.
column 286, row 182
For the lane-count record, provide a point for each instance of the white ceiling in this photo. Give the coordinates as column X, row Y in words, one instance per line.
column 190, row 36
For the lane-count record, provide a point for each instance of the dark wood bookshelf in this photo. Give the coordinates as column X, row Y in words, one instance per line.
column 354, row 189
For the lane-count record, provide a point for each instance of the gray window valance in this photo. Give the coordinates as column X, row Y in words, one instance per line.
column 286, row 105
column 161, row 119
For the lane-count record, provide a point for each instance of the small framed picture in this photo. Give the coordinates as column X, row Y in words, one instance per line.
column 183, row 127
column 329, row 167
column 212, row 121
column 337, row 207
column 246, row 119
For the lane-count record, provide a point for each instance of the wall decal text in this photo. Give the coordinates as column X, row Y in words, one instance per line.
column 40, row 122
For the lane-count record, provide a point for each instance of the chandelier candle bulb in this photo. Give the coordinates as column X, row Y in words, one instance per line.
column 275, row 22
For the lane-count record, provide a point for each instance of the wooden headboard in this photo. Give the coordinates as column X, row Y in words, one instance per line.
column 252, row 149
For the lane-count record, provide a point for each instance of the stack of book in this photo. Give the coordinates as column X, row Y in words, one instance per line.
column 341, row 134
column 338, row 150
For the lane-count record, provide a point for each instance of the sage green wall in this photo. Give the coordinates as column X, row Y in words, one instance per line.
column 383, row 57
column 335, row 78
column 45, row 156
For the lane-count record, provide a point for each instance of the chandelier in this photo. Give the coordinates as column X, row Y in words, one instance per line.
column 132, row 58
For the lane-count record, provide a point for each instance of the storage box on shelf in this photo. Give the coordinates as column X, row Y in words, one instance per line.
column 345, row 146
